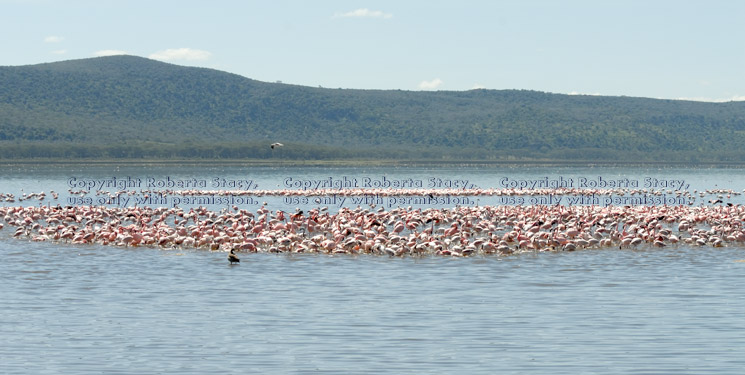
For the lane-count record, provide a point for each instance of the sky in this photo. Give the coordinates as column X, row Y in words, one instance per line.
column 692, row 50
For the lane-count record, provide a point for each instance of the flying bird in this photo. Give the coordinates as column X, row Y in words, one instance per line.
column 276, row 144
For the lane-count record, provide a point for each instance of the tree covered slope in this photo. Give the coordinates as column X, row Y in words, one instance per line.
column 132, row 107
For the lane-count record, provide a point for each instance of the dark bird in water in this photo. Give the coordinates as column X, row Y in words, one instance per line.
column 276, row 144
column 232, row 258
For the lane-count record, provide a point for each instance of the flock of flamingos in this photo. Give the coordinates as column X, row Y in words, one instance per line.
column 453, row 231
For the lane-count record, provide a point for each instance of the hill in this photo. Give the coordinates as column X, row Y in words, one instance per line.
column 132, row 107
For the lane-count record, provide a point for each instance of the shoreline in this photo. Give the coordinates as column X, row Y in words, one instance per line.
column 370, row 162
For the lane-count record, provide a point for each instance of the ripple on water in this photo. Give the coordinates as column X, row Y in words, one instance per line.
column 144, row 310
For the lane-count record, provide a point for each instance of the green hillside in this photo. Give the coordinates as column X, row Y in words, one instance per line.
column 132, row 107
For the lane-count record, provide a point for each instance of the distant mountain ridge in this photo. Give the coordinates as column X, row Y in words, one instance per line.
column 133, row 107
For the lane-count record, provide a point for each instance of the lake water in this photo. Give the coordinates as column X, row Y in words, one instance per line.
column 96, row 309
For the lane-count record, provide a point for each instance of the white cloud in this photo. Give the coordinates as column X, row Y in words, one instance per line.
column 109, row 52
column 430, row 85
column 582, row 93
column 181, row 54
column 736, row 98
column 363, row 12
column 60, row 52
column 478, row 86
column 53, row 39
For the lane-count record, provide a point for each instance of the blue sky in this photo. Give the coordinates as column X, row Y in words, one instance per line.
column 660, row 49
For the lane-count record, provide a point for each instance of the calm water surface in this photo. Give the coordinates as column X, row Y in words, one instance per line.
column 93, row 309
